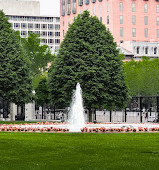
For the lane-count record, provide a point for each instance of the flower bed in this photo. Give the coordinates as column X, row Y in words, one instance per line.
column 63, row 128
column 104, row 130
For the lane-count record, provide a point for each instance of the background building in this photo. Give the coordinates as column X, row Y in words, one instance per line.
column 20, row 7
column 24, row 15
column 128, row 20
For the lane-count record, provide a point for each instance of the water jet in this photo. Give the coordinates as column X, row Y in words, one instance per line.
column 76, row 115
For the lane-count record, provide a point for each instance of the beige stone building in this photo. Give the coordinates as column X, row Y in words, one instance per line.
column 24, row 15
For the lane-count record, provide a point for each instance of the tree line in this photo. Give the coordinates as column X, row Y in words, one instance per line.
column 142, row 77
column 87, row 55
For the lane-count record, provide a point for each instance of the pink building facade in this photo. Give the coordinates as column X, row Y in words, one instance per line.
column 127, row 20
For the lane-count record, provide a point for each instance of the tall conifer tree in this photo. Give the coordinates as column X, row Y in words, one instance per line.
column 15, row 75
column 88, row 55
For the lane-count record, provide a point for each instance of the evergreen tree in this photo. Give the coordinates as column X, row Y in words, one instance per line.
column 88, row 55
column 15, row 74
column 42, row 91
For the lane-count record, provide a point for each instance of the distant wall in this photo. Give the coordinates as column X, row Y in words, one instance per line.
column 18, row 7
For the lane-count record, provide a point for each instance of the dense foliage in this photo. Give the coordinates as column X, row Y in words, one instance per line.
column 42, row 91
column 39, row 55
column 142, row 77
column 15, row 73
column 88, row 55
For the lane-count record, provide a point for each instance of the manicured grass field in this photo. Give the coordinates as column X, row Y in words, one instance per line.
column 79, row 151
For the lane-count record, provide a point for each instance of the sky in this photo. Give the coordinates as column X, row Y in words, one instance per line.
column 50, row 7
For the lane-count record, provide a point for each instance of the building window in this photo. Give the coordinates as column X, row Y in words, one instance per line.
column 68, row 21
column 30, row 25
column 16, row 25
column 57, row 41
column 23, row 33
column 145, row 8
column 37, row 32
column 121, row 19
column 121, row 32
column 108, row 19
column 100, row 19
column 50, row 26
column 157, row 33
column 50, row 41
column 155, row 50
column 44, row 41
column 133, row 19
column 146, row 20
column 44, row 33
column 107, row 7
column 62, row 7
column 23, row 25
column 94, row 10
column 133, row 7
column 101, row 10
column 86, row 2
column 57, row 19
column 80, row 2
column 63, row 33
column 157, row 8
column 74, row 6
column 134, row 32
column 146, row 50
column 57, row 34
column 146, row 32
column 121, row 6
column 50, row 34
column 138, row 50
column 157, row 20
column 43, row 26
column 57, row 26
column 68, row 7
column 37, row 26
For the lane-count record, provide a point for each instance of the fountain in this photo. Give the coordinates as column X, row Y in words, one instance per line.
column 76, row 114
column 76, row 122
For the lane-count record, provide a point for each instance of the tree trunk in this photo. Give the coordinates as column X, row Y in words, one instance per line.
column 110, row 115
column 3, row 109
column 54, row 113
column 42, row 112
column 90, row 114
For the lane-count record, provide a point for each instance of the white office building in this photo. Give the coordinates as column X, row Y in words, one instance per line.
column 24, row 15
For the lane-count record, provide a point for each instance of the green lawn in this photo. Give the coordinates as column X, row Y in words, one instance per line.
column 79, row 151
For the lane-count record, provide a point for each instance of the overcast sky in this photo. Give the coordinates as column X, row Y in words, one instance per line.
column 50, row 7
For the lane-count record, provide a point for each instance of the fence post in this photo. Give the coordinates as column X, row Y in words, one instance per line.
column 141, row 109
column 158, row 108
column 125, row 114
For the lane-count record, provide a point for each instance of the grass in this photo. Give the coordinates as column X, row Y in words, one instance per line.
column 79, row 151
